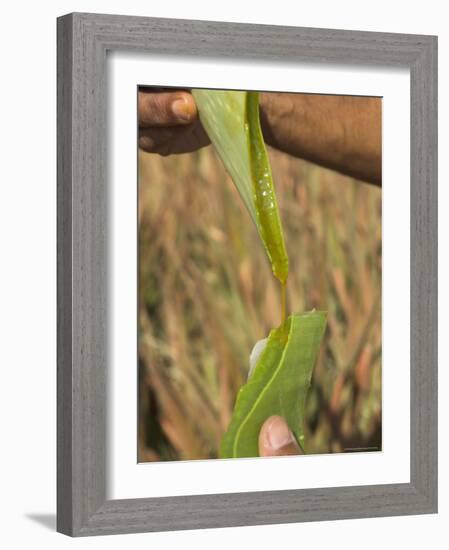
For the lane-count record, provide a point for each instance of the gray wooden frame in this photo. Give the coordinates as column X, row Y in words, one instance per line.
column 83, row 40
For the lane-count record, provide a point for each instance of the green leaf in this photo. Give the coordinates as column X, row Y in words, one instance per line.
column 282, row 374
column 278, row 385
column 231, row 120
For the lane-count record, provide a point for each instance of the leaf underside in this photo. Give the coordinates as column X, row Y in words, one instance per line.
column 222, row 113
column 278, row 385
column 231, row 120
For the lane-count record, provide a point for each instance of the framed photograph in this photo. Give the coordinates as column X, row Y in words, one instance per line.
column 247, row 274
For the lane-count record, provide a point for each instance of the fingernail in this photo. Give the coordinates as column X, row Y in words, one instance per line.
column 181, row 109
column 278, row 433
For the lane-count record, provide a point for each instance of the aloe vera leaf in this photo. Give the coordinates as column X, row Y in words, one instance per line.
column 278, row 385
column 231, row 120
column 267, row 210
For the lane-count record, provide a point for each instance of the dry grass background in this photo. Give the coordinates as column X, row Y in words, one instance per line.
column 206, row 294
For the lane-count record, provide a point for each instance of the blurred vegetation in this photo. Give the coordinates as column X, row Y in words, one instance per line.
column 207, row 294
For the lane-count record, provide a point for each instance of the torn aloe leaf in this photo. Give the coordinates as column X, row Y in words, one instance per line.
column 283, row 371
column 278, row 385
column 231, row 120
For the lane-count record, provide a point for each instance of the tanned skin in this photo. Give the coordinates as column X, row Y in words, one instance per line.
column 342, row 133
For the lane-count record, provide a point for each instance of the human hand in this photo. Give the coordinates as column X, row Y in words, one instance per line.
column 276, row 439
column 168, row 122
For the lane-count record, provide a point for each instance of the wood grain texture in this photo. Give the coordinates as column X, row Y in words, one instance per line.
column 64, row 277
column 83, row 40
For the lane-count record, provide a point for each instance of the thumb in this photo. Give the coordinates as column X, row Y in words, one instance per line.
column 166, row 108
column 276, row 439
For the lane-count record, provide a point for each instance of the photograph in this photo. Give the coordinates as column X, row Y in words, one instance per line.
column 259, row 274
column 247, row 282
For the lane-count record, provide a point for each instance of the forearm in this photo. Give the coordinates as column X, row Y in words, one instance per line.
column 338, row 132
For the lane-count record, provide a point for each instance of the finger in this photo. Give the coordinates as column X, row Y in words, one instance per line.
column 276, row 439
column 166, row 108
column 173, row 140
